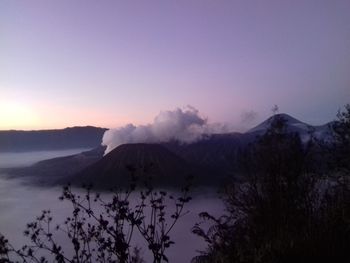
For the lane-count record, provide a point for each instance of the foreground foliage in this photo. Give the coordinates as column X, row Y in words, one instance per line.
column 289, row 210
column 101, row 231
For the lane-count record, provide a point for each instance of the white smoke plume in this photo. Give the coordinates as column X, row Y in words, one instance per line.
column 183, row 125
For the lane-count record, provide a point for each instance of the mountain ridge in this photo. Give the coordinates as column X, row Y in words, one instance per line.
column 140, row 160
column 213, row 159
column 55, row 139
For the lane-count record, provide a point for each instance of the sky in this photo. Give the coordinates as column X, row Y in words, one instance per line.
column 109, row 63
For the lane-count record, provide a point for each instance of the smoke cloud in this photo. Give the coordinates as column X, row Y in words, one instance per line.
column 248, row 116
column 183, row 125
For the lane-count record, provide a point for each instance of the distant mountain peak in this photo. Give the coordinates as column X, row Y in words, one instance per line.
column 285, row 116
column 294, row 125
column 145, row 159
column 291, row 122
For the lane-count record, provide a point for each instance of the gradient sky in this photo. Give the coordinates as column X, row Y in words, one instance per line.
column 107, row 63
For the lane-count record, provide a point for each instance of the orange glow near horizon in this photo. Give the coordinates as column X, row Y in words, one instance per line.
column 15, row 115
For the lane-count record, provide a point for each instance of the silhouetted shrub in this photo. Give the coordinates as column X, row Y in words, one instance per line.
column 100, row 230
column 284, row 212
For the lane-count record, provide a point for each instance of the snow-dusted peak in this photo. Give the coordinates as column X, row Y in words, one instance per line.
column 293, row 125
column 290, row 123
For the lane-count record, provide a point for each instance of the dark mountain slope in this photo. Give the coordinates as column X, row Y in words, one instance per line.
column 216, row 153
column 49, row 171
column 68, row 138
column 148, row 160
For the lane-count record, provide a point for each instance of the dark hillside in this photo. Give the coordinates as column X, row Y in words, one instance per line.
column 68, row 138
column 148, row 160
column 48, row 172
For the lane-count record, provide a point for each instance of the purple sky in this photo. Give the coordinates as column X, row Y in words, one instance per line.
column 107, row 63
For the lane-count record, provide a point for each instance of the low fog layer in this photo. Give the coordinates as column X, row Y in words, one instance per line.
column 183, row 125
column 20, row 204
column 10, row 159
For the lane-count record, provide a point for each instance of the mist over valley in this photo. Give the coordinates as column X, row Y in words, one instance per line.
column 178, row 148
